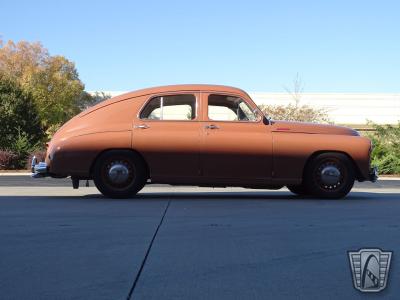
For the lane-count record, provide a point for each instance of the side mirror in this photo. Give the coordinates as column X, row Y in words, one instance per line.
column 267, row 120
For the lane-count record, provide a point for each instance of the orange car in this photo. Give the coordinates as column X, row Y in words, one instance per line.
column 204, row 135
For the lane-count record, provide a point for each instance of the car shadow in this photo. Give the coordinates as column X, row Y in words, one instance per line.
column 261, row 196
column 278, row 196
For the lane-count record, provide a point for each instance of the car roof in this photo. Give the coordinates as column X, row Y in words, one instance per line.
column 180, row 87
column 165, row 89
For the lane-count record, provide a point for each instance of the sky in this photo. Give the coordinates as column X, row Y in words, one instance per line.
column 260, row 46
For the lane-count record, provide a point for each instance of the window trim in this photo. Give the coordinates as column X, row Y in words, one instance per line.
column 149, row 98
column 208, row 94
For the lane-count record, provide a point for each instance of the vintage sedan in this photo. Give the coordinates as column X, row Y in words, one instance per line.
column 204, row 135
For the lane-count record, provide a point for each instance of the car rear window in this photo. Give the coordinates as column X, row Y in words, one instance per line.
column 180, row 107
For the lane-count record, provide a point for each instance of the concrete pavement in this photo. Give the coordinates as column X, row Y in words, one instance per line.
column 190, row 243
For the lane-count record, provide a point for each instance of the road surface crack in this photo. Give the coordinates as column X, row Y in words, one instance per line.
column 147, row 253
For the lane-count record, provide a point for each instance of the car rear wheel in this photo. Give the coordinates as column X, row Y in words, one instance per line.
column 298, row 189
column 119, row 174
column 330, row 175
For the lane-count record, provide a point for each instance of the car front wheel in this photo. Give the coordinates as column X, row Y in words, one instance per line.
column 119, row 174
column 330, row 175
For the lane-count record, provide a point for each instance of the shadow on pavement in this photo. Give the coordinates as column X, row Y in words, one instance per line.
column 261, row 196
column 184, row 196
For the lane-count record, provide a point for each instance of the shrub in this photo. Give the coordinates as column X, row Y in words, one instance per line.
column 7, row 160
column 386, row 151
column 296, row 112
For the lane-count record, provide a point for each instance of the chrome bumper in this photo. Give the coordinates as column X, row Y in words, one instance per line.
column 373, row 174
column 40, row 169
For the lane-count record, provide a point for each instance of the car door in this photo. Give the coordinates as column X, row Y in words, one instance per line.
column 236, row 144
column 167, row 133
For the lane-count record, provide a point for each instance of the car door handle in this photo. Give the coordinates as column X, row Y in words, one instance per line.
column 212, row 126
column 141, row 126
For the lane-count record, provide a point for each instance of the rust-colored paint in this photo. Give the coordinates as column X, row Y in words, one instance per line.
column 242, row 153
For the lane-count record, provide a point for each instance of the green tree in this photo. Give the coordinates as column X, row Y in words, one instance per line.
column 19, row 121
column 87, row 100
column 53, row 81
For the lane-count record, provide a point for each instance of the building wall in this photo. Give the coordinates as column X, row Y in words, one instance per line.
column 344, row 108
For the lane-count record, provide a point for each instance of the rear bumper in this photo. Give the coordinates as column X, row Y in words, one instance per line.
column 40, row 169
column 373, row 174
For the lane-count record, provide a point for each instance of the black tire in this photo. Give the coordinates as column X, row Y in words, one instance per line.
column 330, row 175
column 119, row 173
column 298, row 189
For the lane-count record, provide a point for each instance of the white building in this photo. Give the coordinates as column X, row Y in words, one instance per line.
column 342, row 108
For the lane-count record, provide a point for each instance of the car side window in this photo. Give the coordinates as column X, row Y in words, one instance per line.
column 229, row 108
column 170, row 107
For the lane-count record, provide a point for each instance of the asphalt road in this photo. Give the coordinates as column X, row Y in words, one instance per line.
column 189, row 243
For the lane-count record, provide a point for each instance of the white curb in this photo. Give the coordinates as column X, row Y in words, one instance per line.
column 14, row 174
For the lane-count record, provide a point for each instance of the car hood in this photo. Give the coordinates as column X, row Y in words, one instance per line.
column 311, row 128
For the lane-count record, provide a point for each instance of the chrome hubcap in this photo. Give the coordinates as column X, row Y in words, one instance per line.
column 330, row 175
column 118, row 173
